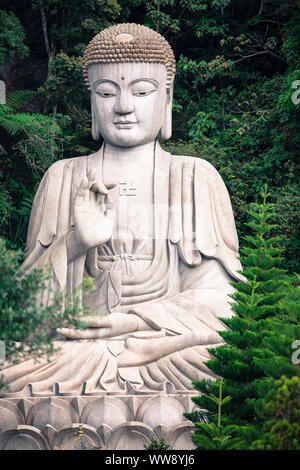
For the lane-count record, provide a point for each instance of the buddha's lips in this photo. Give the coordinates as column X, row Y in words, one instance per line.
column 124, row 125
column 125, row 122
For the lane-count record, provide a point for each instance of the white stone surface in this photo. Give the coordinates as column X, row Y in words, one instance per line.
column 119, row 422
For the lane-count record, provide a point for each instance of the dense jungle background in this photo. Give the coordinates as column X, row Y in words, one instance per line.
column 236, row 104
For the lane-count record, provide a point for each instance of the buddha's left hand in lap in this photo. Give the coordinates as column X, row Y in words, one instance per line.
column 136, row 352
column 108, row 326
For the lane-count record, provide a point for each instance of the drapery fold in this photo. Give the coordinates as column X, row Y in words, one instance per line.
column 192, row 210
column 183, row 286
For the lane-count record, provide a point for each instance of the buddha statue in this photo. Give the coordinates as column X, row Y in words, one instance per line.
column 155, row 232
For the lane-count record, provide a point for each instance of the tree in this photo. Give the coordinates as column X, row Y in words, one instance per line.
column 26, row 327
column 67, row 24
column 211, row 436
column 39, row 140
column 246, row 361
column 12, row 36
column 280, row 413
column 277, row 405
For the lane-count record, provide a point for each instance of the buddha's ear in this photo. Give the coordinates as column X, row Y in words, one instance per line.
column 166, row 128
column 95, row 128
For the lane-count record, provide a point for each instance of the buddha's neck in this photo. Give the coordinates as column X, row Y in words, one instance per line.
column 143, row 153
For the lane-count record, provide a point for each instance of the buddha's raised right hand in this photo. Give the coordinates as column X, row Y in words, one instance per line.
column 94, row 212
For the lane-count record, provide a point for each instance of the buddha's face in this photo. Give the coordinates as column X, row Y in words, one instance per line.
column 129, row 101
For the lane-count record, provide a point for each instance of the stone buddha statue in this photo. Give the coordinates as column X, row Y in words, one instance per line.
column 155, row 232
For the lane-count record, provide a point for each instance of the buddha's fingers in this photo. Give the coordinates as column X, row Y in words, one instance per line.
column 102, row 197
column 102, row 188
column 109, row 185
column 82, row 192
column 204, row 339
column 89, row 333
column 91, row 176
column 109, row 205
column 99, row 188
column 143, row 351
column 97, row 322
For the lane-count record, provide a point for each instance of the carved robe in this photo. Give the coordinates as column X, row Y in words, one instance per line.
column 195, row 256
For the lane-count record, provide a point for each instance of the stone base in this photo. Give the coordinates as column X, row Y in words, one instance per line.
column 122, row 422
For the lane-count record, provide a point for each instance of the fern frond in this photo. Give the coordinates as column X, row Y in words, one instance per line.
column 4, row 109
column 15, row 123
column 19, row 98
column 11, row 126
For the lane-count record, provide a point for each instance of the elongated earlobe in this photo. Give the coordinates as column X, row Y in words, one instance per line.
column 166, row 128
column 95, row 129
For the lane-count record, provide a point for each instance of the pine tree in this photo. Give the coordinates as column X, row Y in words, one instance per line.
column 278, row 403
column 241, row 361
column 281, row 356
column 211, row 436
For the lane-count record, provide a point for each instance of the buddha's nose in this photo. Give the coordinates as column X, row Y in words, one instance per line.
column 124, row 104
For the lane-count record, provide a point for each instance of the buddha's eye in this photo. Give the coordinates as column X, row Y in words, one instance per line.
column 105, row 90
column 105, row 94
column 143, row 89
column 142, row 93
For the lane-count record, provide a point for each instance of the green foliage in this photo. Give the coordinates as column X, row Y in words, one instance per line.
column 69, row 25
column 280, row 412
column 5, row 204
column 254, row 303
column 26, row 327
column 40, row 143
column 12, row 38
column 17, row 100
column 157, row 444
column 65, row 86
column 258, row 349
column 15, row 123
column 210, row 436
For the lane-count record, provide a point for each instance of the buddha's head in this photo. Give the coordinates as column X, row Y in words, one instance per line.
column 130, row 69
